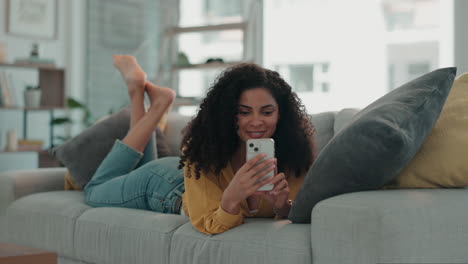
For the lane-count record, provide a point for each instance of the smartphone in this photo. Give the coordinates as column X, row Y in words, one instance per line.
column 257, row 146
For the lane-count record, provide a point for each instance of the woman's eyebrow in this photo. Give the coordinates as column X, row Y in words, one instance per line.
column 245, row 106
column 263, row 107
column 266, row 106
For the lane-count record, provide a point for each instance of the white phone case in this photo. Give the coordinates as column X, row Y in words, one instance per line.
column 262, row 145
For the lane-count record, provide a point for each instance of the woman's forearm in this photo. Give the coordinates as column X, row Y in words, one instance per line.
column 229, row 206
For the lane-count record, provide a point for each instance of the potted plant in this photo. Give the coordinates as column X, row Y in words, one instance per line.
column 32, row 96
column 72, row 104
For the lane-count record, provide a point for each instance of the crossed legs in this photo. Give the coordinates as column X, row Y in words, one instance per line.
column 117, row 181
column 142, row 124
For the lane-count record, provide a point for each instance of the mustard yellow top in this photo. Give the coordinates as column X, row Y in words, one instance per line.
column 202, row 198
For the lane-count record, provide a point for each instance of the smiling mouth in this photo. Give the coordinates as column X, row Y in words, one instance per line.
column 256, row 134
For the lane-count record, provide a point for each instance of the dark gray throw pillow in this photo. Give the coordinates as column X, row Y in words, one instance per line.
column 377, row 144
column 162, row 145
column 84, row 153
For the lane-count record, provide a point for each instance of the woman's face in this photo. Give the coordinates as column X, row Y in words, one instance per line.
column 257, row 115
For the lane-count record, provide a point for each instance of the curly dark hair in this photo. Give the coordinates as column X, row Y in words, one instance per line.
column 210, row 139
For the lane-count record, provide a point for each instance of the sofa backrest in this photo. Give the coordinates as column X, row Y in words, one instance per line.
column 327, row 124
column 173, row 131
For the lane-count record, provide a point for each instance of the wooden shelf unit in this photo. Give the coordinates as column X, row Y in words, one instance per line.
column 168, row 64
column 203, row 28
column 211, row 65
column 186, row 101
column 51, row 82
column 42, row 108
column 53, row 97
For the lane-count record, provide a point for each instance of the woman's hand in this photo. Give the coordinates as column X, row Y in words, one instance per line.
column 244, row 183
column 278, row 197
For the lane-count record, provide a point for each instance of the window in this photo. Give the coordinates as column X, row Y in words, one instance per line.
column 195, row 83
column 334, row 53
column 409, row 61
column 202, row 47
column 306, row 77
column 199, row 47
column 223, row 10
column 417, row 69
column 338, row 54
column 410, row 14
column 203, row 12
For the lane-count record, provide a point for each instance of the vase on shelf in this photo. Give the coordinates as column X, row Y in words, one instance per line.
column 32, row 97
column 12, row 142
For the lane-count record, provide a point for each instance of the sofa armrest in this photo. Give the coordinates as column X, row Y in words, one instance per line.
column 18, row 183
column 392, row 226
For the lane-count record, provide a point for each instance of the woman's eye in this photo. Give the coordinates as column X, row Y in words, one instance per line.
column 243, row 113
column 268, row 113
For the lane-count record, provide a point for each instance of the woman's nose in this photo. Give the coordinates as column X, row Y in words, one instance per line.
column 257, row 120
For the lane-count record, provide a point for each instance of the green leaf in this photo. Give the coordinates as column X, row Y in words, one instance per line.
column 72, row 103
column 60, row 121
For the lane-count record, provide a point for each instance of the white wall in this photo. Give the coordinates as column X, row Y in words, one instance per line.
column 67, row 51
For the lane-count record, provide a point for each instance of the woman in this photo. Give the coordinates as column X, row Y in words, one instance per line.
column 220, row 186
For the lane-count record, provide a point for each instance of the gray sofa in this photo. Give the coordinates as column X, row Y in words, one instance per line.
column 384, row 226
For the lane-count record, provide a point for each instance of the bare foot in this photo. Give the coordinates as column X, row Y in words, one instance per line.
column 133, row 74
column 159, row 96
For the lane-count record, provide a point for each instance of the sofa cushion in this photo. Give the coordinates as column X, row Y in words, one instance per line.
column 174, row 126
column 256, row 241
column 122, row 235
column 162, row 144
column 83, row 153
column 45, row 220
column 343, row 118
column 323, row 124
column 391, row 226
column 377, row 144
column 441, row 161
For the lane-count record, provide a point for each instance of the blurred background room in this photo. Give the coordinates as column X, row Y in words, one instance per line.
column 57, row 77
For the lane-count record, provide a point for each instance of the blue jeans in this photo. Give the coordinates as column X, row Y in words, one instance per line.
column 127, row 178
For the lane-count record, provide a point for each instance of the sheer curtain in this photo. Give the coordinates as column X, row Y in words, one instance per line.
column 121, row 27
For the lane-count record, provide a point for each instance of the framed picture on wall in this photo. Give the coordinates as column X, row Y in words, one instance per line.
column 32, row 18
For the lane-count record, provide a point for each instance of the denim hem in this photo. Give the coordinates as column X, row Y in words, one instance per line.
column 121, row 145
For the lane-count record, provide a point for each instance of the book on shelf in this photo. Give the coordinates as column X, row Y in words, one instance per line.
column 5, row 90
column 30, row 145
column 12, row 90
column 35, row 61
